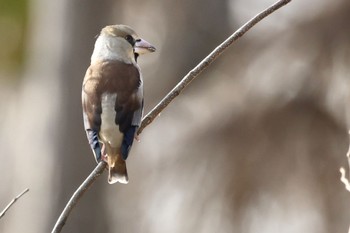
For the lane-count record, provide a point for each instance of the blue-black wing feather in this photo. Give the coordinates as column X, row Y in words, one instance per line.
column 94, row 143
column 128, row 140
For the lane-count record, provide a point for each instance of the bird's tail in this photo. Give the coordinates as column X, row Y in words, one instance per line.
column 117, row 170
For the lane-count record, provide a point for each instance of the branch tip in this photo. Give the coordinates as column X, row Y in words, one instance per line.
column 13, row 202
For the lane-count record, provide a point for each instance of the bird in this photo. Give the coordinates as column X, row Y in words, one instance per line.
column 112, row 97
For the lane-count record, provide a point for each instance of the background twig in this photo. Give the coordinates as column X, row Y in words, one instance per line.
column 13, row 202
column 165, row 102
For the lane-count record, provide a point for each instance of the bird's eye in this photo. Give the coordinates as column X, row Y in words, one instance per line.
column 130, row 39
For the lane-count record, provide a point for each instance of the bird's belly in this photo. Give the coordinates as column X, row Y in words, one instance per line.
column 109, row 131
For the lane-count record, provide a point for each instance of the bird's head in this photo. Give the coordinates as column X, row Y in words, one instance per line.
column 120, row 42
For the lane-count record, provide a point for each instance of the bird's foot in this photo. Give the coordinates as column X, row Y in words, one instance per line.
column 103, row 153
column 137, row 138
column 104, row 158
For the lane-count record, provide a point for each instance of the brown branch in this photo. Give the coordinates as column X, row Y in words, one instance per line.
column 205, row 63
column 13, row 202
column 165, row 102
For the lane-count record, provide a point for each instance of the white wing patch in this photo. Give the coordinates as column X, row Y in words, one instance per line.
column 109, row 131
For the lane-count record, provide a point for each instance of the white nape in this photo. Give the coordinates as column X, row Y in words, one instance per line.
column 112, row 48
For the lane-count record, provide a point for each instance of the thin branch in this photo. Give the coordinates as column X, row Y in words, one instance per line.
column 164, row 103
column 342, row 170
column 77, row 195
column 13, row 202
column 205, row 63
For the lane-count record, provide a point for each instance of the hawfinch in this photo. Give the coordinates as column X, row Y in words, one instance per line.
column 112, row 97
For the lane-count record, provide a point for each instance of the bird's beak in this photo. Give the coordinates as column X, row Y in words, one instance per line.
column 142, row 47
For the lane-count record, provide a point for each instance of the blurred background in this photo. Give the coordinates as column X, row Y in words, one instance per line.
column 253, row 145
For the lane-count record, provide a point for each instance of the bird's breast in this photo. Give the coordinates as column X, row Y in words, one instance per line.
column 109, row 131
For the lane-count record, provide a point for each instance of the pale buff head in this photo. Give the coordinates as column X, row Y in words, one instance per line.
column 120, row 42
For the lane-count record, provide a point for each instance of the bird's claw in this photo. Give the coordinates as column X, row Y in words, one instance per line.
column 103, row 152
column 137, row 138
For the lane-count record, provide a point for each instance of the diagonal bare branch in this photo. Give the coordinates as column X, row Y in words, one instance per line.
column 205, row 63
column 73, row 201
column 13, row 202
column 148, row 119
